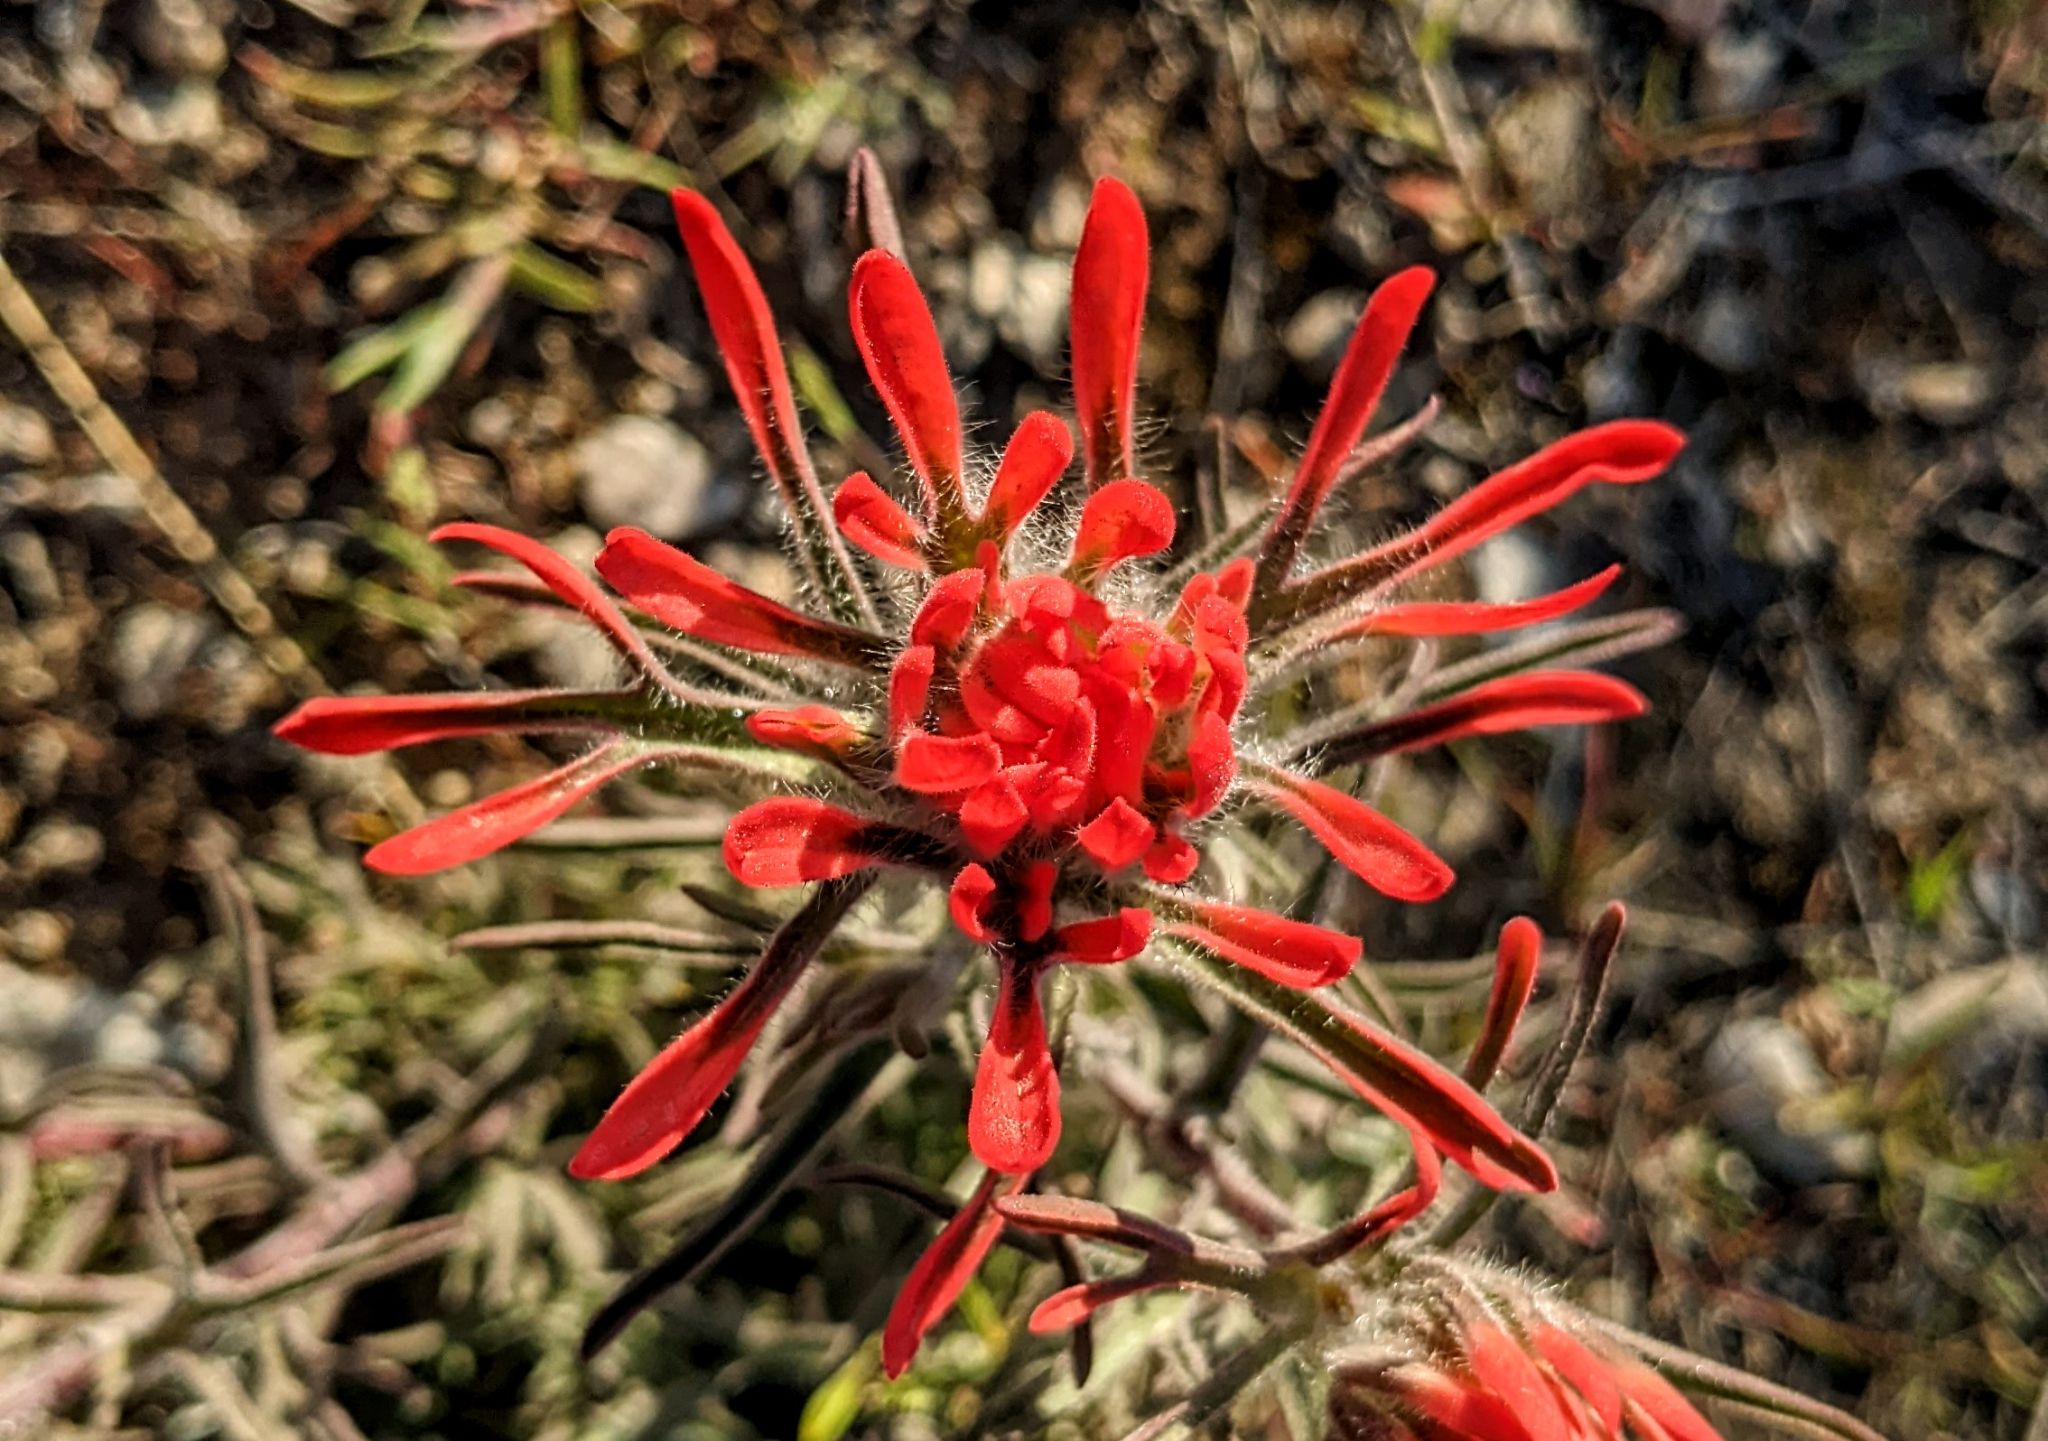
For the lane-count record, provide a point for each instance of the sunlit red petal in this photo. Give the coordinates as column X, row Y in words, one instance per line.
column 942, row 765
column 787, row 840
column 745, row 332
column 943, row 1271
column 681, row 591
column 1516, row 962
column 1369, row 359
column 893, row 328
column 1476, row 617
column 1511, row 703
column 570, row 585
column 969, row 899
column 1212, row 762
column 1067, row 1308
column 1013, row 1121
column 944, row 618
column 870, row 517
column 1037, row 455
column 1108, row 314
column 1583, row 1371
column 1362, row 840
column 992, row 815
column 910, row 685
column 1123, row 520
column 358, row 725
column 812, row 729
column 1105, row 940
column 1171, row 860
column 1294, row 953
column 1463, row 1409
column 498, row 820
column 1644, row 1391
column 1117, row 836
column 664, row 1103
column 1509, row 1372
column 1621, row 452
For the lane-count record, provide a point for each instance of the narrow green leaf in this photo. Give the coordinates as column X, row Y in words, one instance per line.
column 365, row 356
column 553, row 280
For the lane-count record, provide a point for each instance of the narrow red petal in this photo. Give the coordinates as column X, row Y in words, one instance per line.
column 570, row 585
column 1511, row 703
column 1013, row 1121
column 948, row 610
column 910, row 686
column 1479, row 618
column 1171, row 860
column 1375, row 347
column 1123, row 520
column 968, row 902
column 1413, row 1088
column 1212, row 761
column 744, row 328
column 1065, row 1309
column 893, row 327
column 1457, row 1408
column 1105, row 940
column 992, row 815
column 664, row 1103
column 943, row 1271
column 870, row 517
column 1583, row 1371
column 1645, row 1391
column 358, row 725
column 1509, row 1372
column 1621, row 452
column 498, row 820
column 1037, row 456
column 1519, row 957
column 1362, row 840
column 812, row 729
column 1294, row 953
column 787, row 840
column 682, row 591
column 1117, row 836
column 941, row 765
column 1107, row 318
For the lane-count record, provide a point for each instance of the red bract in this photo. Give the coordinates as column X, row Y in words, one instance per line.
column 1525, row 1377
column 1051, row 750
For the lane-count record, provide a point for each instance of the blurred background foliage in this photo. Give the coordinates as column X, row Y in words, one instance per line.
column 289, row 280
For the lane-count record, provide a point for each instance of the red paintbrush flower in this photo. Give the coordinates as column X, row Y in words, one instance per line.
column 1050, row 750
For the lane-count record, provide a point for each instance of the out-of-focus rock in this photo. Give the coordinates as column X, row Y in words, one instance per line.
column 1730, row 331
column 1035, row 319
column 1770, row 1093
column 153, row 645
column 1997, row 1008
column 25, row 435
column 1315, row 335
column 642, row 470
column 179, row 37
column 1544, row 138
column 1553, row 25
column 1737, row 73
column 187, row 114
